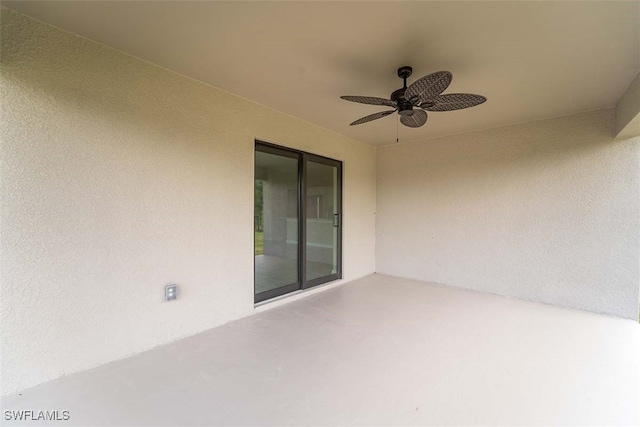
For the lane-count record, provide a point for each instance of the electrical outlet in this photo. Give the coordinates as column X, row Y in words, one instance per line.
column 171, row 292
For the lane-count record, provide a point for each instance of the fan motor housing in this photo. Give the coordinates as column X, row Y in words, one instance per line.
column 405, row 108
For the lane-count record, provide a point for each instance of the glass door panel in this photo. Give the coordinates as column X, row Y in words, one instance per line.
column 322, row 220
column 276, row 230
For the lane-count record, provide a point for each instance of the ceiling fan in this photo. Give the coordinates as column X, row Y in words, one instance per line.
column 413, row 102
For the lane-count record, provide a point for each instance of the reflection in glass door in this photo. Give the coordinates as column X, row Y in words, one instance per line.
column 297, row 220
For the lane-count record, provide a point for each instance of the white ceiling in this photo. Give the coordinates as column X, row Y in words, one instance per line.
column 532, row 60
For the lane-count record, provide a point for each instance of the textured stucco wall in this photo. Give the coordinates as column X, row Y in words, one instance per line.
column 118, row 177
column 546, row 211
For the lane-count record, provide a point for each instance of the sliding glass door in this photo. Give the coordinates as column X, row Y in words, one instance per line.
column 297, row 220
column 322, row 220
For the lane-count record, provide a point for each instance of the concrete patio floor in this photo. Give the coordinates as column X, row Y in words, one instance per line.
column 376, row 351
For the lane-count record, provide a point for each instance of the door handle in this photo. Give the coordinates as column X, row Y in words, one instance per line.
column 336, row 220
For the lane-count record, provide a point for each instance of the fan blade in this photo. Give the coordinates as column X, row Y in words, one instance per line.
column 370, row 100
column 454, row 101
column 417, row 119
column 370, row 117
column 428, row 87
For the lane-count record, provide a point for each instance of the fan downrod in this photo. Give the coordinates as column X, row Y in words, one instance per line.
column 404, row 73
column 405, row 108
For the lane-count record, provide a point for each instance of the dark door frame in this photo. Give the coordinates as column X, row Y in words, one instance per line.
column 303, row 158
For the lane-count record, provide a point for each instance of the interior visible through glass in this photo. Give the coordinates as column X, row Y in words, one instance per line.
column 275, row 221
column 322, row 220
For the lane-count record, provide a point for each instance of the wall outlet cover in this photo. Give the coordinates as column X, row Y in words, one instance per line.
column 171, row 292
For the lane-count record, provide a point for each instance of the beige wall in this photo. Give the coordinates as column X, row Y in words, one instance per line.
column 546, row 211
column 119, row 177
